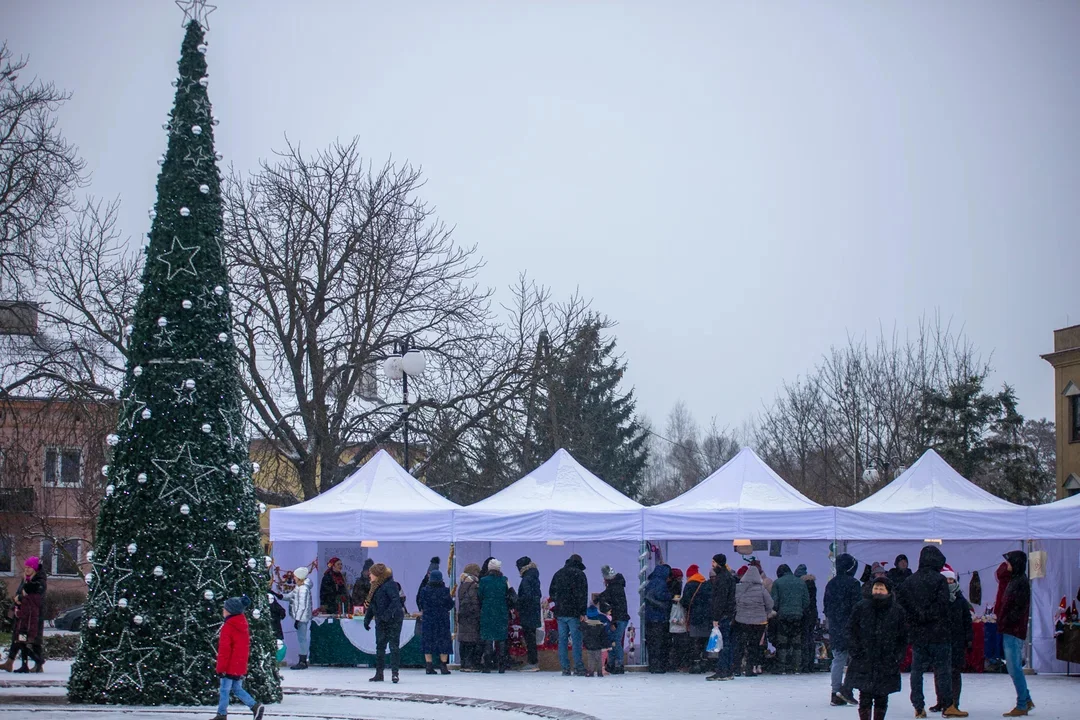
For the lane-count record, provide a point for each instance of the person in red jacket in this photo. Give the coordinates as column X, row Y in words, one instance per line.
column 234, row 645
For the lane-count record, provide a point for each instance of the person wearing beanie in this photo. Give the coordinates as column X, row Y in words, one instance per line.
column 333, row 590
column 300, row 610
column 697, row 603
column 529, row 596
column 433, row 564
column 435, row 605
column 877, row 570
column 810, row 619
column 722, row 609
column 877, row 640
column 842, row 594
column 569, row 590
column 234, row 647
column 468, row 618
column 28, row 631
column 494, row 617
column 386, row 608
column 613, row 599
column 900, row 572
column 961, row 636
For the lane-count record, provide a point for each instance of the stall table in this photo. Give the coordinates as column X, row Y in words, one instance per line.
column 1068, row 646
column 344, row 641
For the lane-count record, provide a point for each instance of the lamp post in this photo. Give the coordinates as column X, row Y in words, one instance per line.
column 872, row 475
column 407, row 360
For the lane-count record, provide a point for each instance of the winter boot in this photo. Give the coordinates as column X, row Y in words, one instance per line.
column 936, row 708
column 378, row 676
column 302, row 665
column 443, row 670
column 257, row 711
column 837, row 700
column 429, row 668
column 920, row 712
column 9, row 664
column 24, row 668
column 220, row 717
column 394, row 676
column 953, row 712
column 1016, row 712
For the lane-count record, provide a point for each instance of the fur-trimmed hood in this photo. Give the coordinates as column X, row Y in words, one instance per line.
column 526, row 568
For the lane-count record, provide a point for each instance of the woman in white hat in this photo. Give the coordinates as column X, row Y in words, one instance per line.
column 299, row 599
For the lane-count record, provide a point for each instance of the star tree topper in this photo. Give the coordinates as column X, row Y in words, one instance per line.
column 197, row 11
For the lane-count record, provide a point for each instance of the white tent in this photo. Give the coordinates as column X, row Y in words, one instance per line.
column 380, row 502
column 1055, row 521
column 743, row 499
column 930, row 500
column 559, row 501
column 1055, row 528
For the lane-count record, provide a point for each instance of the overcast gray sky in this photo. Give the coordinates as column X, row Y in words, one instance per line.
column 739, row 185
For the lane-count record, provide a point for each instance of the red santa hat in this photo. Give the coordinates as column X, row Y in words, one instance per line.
column 949, row 573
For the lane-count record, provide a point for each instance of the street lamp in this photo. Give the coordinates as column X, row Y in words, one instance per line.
column 872, row 475
column 407, row 360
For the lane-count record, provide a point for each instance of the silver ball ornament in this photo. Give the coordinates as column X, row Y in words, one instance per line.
column 110, row 489
column 234, row 469
column 162, row 321
column 132, row 548
column 146, row 414
column 186, row 304
column 141, row 477
column 255, row 467
column 105, row 471
column 113, row 439
column 138, row 619
column 223, row 337
column 89, row 556
column 128, row 329
column 209, row 595
column 161, row 160
column 185, row 510
column 206, row 427
column 184, row 211
column 204, row 80
column 158, row 571
column 231, row 525
column 89, row 578
column 196, row 130
column 202, row 48
column 91, row 623
column 189, row 384
column 262, row 508
column 122, row 602
column 251, row 563
column 137, row 371
column 268, row 560
column 152, row 214
column 256, row 613
column 204, row 189
column 218, row 290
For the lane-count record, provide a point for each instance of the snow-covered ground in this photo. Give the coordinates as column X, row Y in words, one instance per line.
column 322, row 693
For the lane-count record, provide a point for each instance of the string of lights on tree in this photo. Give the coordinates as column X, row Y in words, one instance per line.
column 178, row 530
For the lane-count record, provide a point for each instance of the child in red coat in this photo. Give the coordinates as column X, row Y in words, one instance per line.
column 234, row 644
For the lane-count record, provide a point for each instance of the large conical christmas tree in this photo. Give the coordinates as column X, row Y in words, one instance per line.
column 178, row 531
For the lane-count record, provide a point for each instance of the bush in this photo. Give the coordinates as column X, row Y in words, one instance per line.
column 61, row 647
column 57, row 601
column 6, row 603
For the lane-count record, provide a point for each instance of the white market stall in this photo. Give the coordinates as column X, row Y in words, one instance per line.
column 380, row 511
column 558, row 509
column 744, row 500
column 1055, row 530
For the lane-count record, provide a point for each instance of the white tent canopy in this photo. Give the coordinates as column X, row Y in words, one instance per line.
column 558, row 501
column 743, row 499
column 380, row 502
column 930, row 500
column 1055, row 521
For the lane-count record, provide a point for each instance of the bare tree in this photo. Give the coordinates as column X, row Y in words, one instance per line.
column 332, row 261
column 39, row 170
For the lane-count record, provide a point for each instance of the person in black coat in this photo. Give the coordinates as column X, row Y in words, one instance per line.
column 924, row 598
column 435, row 603
column 961, row 636
column 899, row 573
column 569, row 590
column 696, row 600
column 387, row 608
column 529, row 597
column 877, row 645
column 810, row 619
column 333, row 591
column 362, row 587
column 722, row 609
column 842, row 594
column 613, row 601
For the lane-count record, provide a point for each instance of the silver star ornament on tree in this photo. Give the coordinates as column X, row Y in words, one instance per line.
column 197, row 11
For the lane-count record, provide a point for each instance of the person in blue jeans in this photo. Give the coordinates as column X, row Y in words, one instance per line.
column 234, row 648
column 569, row 590
column 1012, row 622
column 722, row 607
column 613, row 599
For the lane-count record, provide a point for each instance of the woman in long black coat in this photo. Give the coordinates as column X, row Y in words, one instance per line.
column 877, row 641
column 435, row 604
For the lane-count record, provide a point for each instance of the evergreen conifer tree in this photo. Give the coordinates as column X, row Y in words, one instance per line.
column 178, row 531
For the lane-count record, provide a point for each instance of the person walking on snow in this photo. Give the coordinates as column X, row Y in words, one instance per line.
column 842, row 594
column 387, row 608
column 877, row 643
column 234, row 646
column 924, row 598
column 961, row 635
column 569, row 590
column 1012, row 619
column 299, row 599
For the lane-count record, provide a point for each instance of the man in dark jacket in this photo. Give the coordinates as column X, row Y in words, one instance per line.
column 790, row 598
column 924, row 598
column 569, row 591
column 842, row 594
column 722, row 604
column 657, row 618
column 900, row 572
column 877, row 642
column 528, row 607
column 1012, row 622
column 613, row 600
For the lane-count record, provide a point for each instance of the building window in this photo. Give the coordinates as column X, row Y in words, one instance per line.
column 63, row 560
column 1074, row 417
column 7, row 555
column 63, row 467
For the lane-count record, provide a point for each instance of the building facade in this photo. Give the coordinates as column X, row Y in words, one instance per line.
column 1066, row 362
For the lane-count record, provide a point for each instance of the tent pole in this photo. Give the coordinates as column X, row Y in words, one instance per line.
column 1030, row 669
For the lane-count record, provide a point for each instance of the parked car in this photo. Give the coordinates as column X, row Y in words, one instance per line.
column 69, row 619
